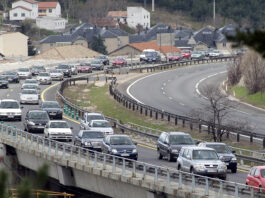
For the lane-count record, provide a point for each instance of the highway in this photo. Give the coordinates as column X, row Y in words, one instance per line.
column 146, row 154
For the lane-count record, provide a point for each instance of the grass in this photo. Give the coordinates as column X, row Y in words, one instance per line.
column 257, row 99
column 100, row 101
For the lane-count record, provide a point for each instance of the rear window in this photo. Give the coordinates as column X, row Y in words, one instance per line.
column 94, row 117
column 181, row 140
column 204, row 155
column 9, row 105
column 93, row 135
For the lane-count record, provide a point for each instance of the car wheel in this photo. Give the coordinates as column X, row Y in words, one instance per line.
column 222, row 177
column 179, row 167
column 159, row 155
column 234, row 170
column 169, row 157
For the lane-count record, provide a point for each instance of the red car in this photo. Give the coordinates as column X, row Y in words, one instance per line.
column 84, row 68
column 256, row 177
column 186, row 54
column 118, row 62
column 175, row 57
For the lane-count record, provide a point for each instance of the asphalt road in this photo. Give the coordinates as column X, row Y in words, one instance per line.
column 146, row 154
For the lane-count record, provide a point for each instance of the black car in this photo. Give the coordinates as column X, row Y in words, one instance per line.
column 12, row 76
column 3, row 82
column 53, row 109
column 66, row 69
column 36, row 120
column 152, row 57
column 104, row 59
column 120, row 145
column 89, row 139
column 37, row 69
column 170, row 143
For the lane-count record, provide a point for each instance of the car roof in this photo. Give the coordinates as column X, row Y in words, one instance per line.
column 29, row 89
column 36, row 110
column 58, row 121
column 8, row 100
column 91, row 130
column 177, row 133
column 99, row 121
column 118, row 135
column 93, row 114
column 50, row 101
column 198, row 148
column 215, row 143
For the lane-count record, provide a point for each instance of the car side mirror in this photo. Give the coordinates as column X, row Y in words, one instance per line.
column 135, row 143
column 71, row 127
column 21, row 107
column 233, row 151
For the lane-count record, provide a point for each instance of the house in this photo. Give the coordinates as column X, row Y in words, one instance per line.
column 184, row 38
column 134, row 49
column 221, row 41
column 138, row 16
column 105, row 22
column 51, row 9
column 205, row 38
column 51, row 23
column 13, row 44
column 23, row 9
column 119, row 16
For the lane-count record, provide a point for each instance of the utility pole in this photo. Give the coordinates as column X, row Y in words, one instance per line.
column 153, row 5
column 144, row 3
column 214, row 13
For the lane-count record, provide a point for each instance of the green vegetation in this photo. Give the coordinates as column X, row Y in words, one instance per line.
column 257, row 99
column 98, row 45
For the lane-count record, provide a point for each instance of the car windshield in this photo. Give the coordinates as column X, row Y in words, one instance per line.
column 197, row 52
column 44, row 74
column 120, row 140
column 180, row 139
column 262, row 173
column 10, row 73
column 150, row 54
column 38, row 115
column 63, row 67
column 215, row 51
column 101, row 124
column 119, row 59
column 55, row 71
column 23, row 69
column 96, row 62
column 59, row 125
column 9, row 105
column 185, row 51
column 38, row 67
column 3, row 78
column 84, row 64
column 29, row 91
column 204, row 155
column 219, row 148
column 30, row 86
column 94, row 117
column 93, row 135
column 101, row 57
column 50, row 105
column 31, row 81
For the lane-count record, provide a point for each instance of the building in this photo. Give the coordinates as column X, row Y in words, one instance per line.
column 105, row 22
column 138, row 16
column 119, row 16
column 51, row 23
column 51, row 9
column 23, row 9
column 13, row 44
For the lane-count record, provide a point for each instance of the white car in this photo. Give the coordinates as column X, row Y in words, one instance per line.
column 10, row 110
column 44, row 78
column 31, row 86
column 74, row 69
column 29, row 96
column 31, row 81
column 24, row 73
column 88, row 117
column 58, row 130
column 56, row 74
column 102, row 126
column 214, row 53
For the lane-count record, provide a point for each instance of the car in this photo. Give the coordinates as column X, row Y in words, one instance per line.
column 84, row 68
column 197, row 55
column 12, row 76
column 58, row 130
column 44, row 78
column 89, row 139
column 101, row 125
column 31, row 86
column 201, row 161
column 3, row 82
column 29, row 96
column 120, row 145
column 170, row 143
column 214, row 53
column 36, row 120
column 152, row 56
column 56, row 74
column 175, row 57
column 97, row 64
column 224, row 153
column 37, row 69
column 119, row 62
column 74, row 69
column 53, row 109
column 144, row 52
column 256, row 178
column 104, row 59
column 10, row 110
column 88, row 117
column 31, row 81
column 65, row 69
column 186, row 54
column 24, row 73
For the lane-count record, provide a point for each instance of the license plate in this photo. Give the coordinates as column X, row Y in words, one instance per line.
column 227, row 163
column 10, row 116
column 52, row 113
column 211, row 170
column 125, row 155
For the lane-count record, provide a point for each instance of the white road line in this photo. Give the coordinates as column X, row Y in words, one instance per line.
column 182, row 104
column 170, row 98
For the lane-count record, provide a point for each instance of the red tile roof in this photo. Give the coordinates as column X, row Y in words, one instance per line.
column 22, row 8
column 29, row 1
column 45, row 5
column 103, row 22
column 153, row 45
column 117, row 14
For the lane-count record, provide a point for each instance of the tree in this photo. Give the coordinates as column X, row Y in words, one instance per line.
column 98, row 45
column 234, row 73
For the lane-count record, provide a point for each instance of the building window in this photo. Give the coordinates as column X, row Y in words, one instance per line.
column 224, row 44
column 15, row 14
column 50, row 10
column 23, row 14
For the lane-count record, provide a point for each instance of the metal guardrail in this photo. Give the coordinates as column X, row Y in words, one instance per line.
column 13, row 136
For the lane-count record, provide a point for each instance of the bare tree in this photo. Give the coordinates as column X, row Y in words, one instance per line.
column 234, row 73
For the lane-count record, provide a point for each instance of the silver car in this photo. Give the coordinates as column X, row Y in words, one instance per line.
column 56, row 74
column 29, row 96
column 24, row 73
column 74, row 69
column 44, row 78
column 201, row 161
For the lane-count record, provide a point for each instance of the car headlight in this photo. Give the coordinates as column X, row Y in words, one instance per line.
column 114, row 151
column 134, row 150
column 222, row 166
column 199, row 166
column 234, row 159
column 31, row 123
column 174, row 151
